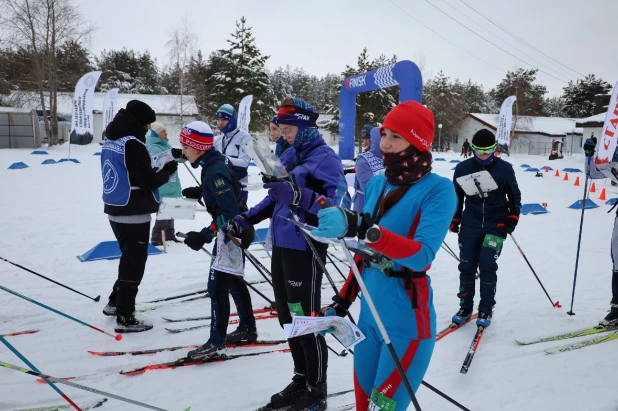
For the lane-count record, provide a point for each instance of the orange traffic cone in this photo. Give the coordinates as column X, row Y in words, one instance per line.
column 557, row 173
column 566, row 177
column 593, row 188
column 547, row 169
column 576, row 182
column 602, row 196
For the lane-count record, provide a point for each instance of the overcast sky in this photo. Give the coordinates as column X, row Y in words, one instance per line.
column 323, row 36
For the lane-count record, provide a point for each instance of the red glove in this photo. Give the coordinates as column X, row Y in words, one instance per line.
column 509, row 223
column 454, row 228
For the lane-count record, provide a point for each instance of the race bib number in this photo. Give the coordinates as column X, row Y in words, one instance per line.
column 296, row 309
column 380, row 402
column 493, row 242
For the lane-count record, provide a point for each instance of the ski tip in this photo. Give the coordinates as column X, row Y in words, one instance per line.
column 549, row 352
column 188, row 409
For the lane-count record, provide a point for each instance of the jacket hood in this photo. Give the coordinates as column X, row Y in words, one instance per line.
column 375, row 142
column 125, row 124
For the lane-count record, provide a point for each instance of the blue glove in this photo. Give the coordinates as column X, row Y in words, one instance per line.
column 336, row 222
column 328, row 312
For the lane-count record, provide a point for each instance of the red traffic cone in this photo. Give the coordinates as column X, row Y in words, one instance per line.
column 593, row 188
column 566, row 177
column 576, row 182
column 602, row 196
column 557, row 173
column 547, row 169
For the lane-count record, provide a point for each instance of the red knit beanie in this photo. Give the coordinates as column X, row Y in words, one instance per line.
column 412, row 121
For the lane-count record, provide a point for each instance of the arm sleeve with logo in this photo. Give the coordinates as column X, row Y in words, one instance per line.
column 435, row 216
column 330, row 172
column 140, row 169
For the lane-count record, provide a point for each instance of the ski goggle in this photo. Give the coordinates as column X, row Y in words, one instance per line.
column 484, row 150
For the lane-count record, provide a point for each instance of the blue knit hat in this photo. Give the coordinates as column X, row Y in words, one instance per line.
column 274, row 120
column 227, row 112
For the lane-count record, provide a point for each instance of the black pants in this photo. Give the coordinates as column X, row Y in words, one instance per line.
column 220, row 286
column 133, row 241
column 163, row 225
column 297, row 281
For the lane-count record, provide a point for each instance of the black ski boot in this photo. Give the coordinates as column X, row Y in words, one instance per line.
column 611, row 318
column 109, row 310
column 129, row 324
column 252, row 336
column 291, row 394
column 207, row 351
column 462, row 315
column 313, row 400
column 237, row 335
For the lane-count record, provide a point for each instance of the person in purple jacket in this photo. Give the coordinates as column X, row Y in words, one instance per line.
column 368, row 164
column 315, row 170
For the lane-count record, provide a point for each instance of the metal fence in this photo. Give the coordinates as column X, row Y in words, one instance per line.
column 19, row 130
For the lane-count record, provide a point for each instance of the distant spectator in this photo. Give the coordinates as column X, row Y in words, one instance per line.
column 158, row 143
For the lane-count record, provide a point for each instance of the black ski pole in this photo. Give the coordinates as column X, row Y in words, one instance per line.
column 192, row 175
column 336, row 268
column 341, row 354
column 579, row 240
column 49, row 279
column 337, row 258
column 557, row 303
column 272, row 304
column 317, row 257
column 263, row 242
column 258, row 266
column 450, row 250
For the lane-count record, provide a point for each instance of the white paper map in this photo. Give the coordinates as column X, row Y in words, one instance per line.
column 229, row 257
column 347, row 333
column 159, row 160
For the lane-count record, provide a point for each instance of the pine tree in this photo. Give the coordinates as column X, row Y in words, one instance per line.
column 245, row 73
column 130, row 71
column 530, row 96
column 73, row 63
column 579, row 96
column 554, row 107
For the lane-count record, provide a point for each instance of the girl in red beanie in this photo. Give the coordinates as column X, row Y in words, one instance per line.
column 405, row 217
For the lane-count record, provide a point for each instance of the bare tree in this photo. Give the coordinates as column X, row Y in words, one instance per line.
column 181, row 47
column 42, row 26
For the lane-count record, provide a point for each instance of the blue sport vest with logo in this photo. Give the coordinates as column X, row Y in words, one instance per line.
column 116, row 184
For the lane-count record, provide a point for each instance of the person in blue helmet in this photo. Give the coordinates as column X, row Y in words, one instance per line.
column 315, row 170
column 366, row 137
column 233, row 144
column 368, row 164
column 485, row 224
column 405, row 218
column 275, row 135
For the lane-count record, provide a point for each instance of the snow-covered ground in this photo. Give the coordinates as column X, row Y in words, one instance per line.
column 49, row 214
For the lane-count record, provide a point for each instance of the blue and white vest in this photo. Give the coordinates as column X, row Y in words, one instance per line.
column 116, row 184
column 375, row 163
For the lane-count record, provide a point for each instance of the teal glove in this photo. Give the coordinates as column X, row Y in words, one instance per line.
column 328, row 312
column 336, row 222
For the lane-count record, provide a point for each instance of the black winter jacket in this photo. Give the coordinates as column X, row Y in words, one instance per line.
column 138, row 163
column 487, row 212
